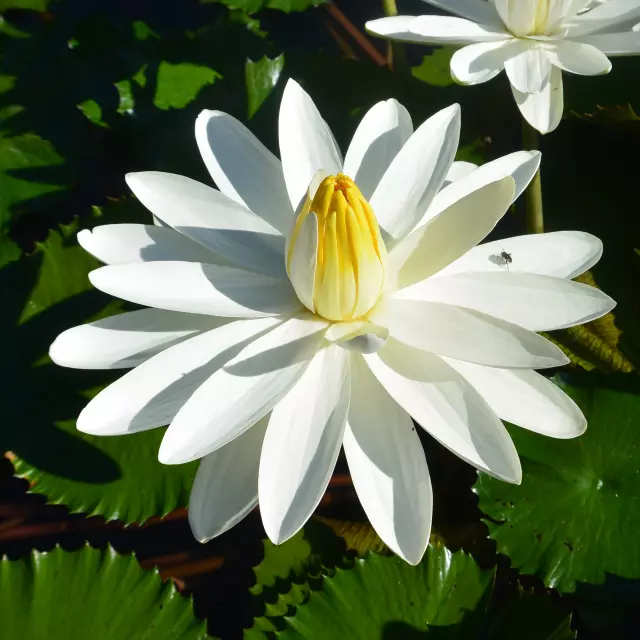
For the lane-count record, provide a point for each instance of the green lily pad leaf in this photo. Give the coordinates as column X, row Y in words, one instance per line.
column 383, row 596
column 288, row 572
column 91, row 593
column 576, row 514
column 435, row 69
column 33, row 5
column 26, row 163
column 180, row 84
column 116, row 477
column 261, row 77
column 251, row 6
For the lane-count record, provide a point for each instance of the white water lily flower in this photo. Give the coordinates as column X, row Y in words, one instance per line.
column 534, row 41
column 314, row 303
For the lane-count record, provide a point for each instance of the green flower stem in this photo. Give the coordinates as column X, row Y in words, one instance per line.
column 399, row 60
column 533, row 194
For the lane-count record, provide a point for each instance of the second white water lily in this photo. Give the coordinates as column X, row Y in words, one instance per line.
column 534, row 41
column 314, row 303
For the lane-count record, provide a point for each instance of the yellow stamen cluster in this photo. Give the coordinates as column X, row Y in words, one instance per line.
column 351, row 256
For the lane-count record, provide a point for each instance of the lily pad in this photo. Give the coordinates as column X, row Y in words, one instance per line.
column 117, row 477
column 576, row 514
column 261, row 77
column 384, row 597
column 91, row 593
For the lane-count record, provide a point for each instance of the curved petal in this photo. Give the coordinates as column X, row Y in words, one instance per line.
column 525, row 398
column 303, row 260
column 194, row 287
column 560, row 254
column 543, row 110
column 521, row 166
column 537, row 303
column 235, row 397
column 127, row 339
column 448, row 30
column 225, row 489
column 243, row 168
column 615, row 44
column 302, row 444
column 578, row 57
column 519, row 16
column 151, row 395
column 458, row 170
column 528, row 71
column 306, row 143
column 205, row 215
column 481, row 62
column 395, row 28
column 388, row 466
column 448, row 407
column 417, row 173
column 122, row 243
column 466, row 335
column 379, row 137
column 605, row 16
column 450, row 235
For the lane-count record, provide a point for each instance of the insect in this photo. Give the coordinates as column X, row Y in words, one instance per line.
column 502, row 259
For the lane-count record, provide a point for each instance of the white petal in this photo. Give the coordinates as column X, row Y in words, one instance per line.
column 606, row 16
column 458, row 171
column 395, row 28
column 194, row 287
column 483, row 12
column 577, row 57
column 380, row 135
column 448, row 407
column 417, row 173
column 537, row 303
column 466, row 334
column 210, row 218
column 243, row 168
column 358, row 335
column 615, row 44
column 450, row 235
column 528, row 71
column 560, row 254
column 122, row 243
column 519, row 16
column 243, row 391
column 225, row 489
column 151, row 394
column 302, row 444
column 525, row 398
column 388, row 466
column 481, row 62
column 521, row 166
column 303, row 261
column 128, row 339
column 306, row 142
column 448, row 30
column 543, row 110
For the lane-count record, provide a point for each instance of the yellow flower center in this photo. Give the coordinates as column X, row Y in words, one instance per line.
column 351, row 256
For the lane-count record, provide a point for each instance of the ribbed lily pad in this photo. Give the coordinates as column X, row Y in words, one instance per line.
column 117, row 477
column 94, row 594
column 384, row 597
column 577, row 513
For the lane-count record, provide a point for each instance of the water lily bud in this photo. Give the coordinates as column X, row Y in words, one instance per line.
column 336, row 257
